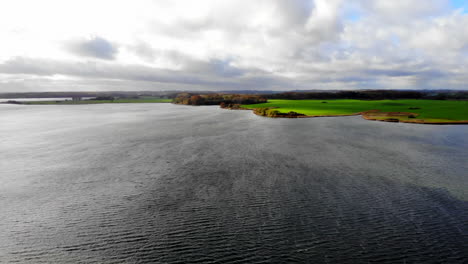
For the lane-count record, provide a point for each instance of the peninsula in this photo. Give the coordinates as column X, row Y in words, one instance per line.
column 387, row 106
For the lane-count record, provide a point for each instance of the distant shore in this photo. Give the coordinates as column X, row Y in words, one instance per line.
column 91, row 101
column 415, row 111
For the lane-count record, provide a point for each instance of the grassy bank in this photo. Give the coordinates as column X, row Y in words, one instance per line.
column 414, row 111
column 115, row 101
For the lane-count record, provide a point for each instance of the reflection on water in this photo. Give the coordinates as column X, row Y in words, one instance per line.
column 176, row 184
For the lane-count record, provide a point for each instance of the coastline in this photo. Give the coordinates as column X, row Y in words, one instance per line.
column 390, row 117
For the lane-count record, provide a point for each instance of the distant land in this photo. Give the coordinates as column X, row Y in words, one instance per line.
column 296, row 94
column 408, row 106
column 116, row 94
column 95, row 100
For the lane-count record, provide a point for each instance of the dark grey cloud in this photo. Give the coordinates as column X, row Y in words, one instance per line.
column 426, row 74
column 294, row 12
column 217, row 67
column 391, row 72
column 96, row 47
column 228, row 79
column 212, row 75
column 225, row 69
column 214, row 66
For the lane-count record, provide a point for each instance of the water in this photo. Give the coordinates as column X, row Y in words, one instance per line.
column 3, row 100
column 161, row 183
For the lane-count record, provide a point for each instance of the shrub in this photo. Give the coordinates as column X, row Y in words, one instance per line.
column 273, row 113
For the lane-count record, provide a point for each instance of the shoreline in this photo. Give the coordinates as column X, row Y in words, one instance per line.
column 365, row 115
column 370, row 115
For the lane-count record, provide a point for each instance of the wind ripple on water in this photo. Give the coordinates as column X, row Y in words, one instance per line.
column 213, row 186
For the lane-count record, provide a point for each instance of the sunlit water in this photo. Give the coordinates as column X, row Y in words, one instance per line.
column 160, row 183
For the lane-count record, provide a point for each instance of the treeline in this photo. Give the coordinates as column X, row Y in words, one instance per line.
column 218, row 99
column 208, row 97
column 372, row 95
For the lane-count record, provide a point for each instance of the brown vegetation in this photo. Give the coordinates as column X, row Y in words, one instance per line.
column 230, row 100
column 403, row 117
column 232, row 106
column 376, row 115
column 272, row 112
column 373, row 115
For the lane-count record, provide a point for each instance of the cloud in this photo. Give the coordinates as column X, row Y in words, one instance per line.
column 210, row 76
column 235, row 44
column 144, row 51
column 95, row 47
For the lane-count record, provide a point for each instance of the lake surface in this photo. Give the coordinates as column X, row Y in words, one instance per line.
column 3, row 100
column 162, row 183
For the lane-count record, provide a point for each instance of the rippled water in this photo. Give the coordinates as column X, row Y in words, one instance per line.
column 3, row 100
column 160, row 183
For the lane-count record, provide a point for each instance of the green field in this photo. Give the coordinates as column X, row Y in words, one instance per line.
column 115, row 101
column 426, row 110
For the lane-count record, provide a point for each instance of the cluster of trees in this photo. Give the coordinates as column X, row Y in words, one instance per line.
column 372, row 95
column 207, row 97
column 458, row 95
column 13, row 102
column 271, row 112
column 231, row 106
column 104, row 98
column 217, row 99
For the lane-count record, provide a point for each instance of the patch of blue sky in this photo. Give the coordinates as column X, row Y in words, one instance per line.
column 353, row 16
column 352, row 12
column 395, row 40
column 460, row 4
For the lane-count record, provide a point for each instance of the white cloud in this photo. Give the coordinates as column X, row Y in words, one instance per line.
column 232, row 44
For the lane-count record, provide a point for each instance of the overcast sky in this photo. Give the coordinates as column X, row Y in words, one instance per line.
column 57, row 45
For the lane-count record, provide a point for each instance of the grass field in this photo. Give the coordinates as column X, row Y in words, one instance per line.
column 116, row 101
column 425, row 110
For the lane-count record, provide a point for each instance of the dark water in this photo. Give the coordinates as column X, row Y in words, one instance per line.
column 3, row 100
column 159, row 183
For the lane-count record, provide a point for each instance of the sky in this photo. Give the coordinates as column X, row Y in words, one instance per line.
column 110, row 45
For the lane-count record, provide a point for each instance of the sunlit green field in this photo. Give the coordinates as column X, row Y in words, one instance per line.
column 429, row 110
column 116, row 101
